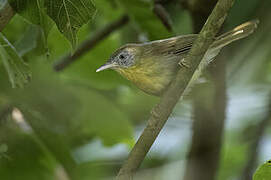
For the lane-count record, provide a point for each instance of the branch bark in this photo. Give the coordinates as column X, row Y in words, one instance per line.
column 163, row 109
column 91, row 43
column 6, row 13
column 209, row 104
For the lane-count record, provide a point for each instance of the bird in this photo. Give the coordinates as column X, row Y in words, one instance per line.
column 152, row 66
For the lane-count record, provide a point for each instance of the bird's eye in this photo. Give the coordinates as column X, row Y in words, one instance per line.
column 124, row 59
column 121, row 56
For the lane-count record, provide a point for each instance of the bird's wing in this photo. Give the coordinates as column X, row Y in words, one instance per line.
column 178, row 46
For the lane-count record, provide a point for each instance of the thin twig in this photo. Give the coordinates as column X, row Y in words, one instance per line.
column 163, row 15
column 6, row 13
column 163, row 109
column 90, row 43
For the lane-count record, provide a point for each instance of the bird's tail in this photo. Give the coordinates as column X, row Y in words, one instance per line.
column 239, row 32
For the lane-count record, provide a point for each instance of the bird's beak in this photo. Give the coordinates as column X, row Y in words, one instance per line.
column 106, row 66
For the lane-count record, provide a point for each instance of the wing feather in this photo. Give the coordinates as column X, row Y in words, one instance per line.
column 177, row 46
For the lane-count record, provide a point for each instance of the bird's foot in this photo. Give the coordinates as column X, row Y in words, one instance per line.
column 183, row 63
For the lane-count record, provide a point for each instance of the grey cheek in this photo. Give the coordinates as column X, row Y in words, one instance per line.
column 124, row 62
column 129, row 61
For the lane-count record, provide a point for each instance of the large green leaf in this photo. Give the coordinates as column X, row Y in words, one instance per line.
column 263, row 172
column 18, row 72
column 68, row 110
column 28, row 41
column 31, row 10
column 102, row 118
column 70, row 15
column 34, row 11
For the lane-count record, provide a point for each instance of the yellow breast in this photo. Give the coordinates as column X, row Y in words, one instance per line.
column 147, row 77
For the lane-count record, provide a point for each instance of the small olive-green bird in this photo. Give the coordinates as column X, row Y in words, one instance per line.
column 152, row 66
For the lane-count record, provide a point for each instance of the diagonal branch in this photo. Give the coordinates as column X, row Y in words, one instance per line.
column 209, row 118
column 163, row 109
column 90, row 43
column 6, row 13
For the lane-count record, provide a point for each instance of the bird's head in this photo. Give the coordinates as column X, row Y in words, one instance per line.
column 122, row 58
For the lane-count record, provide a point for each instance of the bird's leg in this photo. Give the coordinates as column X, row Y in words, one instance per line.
column 183, row 63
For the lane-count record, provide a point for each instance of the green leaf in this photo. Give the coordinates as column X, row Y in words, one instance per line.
column 263, row 172
column 18, row 72
column 70, row 15
column 70, row 110
column 28, row 41
column 34, row 12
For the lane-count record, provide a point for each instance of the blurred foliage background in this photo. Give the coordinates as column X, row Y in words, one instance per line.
column 75, row 123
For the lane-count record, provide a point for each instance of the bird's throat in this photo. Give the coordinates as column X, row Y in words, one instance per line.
column 147, row 79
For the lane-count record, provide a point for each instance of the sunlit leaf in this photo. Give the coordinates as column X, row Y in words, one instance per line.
column 70, row 15
column 18, row 72
column 263, row 172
